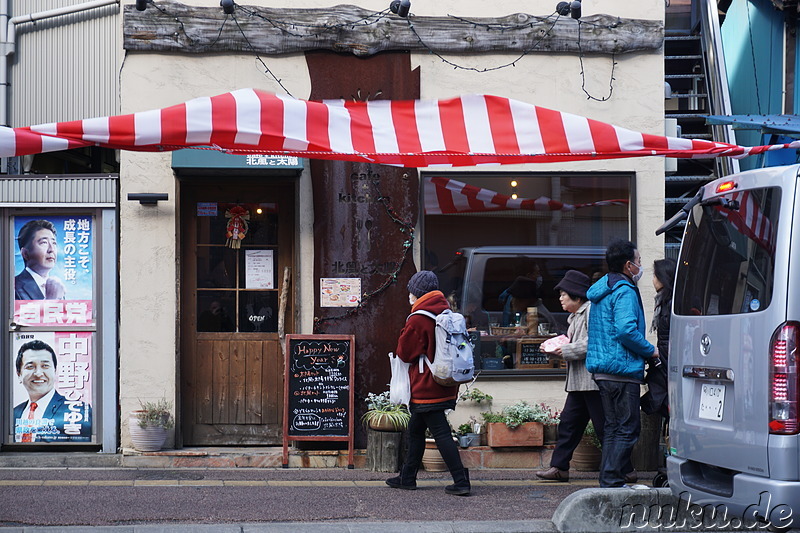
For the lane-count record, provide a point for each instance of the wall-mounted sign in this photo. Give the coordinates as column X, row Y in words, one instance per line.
column 52, row 394
column 53, row 270
column 340, row 292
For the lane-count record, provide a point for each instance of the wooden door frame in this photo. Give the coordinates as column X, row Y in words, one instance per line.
column 186, row 190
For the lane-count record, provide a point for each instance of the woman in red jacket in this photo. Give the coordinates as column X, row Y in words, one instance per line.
column 429, row 400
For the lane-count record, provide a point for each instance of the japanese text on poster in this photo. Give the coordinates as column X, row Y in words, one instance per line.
column 340, row 292
column 52, row 393
column 53, row 262
column 259, row 269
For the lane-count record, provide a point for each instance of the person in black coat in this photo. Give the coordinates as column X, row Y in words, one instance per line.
column 655, row 401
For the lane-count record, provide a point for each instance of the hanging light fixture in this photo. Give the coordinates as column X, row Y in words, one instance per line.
column 400, row 7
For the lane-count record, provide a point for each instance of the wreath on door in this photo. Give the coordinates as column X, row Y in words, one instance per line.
column 237, row 227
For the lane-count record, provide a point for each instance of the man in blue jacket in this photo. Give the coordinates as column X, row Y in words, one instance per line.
column 616, row 355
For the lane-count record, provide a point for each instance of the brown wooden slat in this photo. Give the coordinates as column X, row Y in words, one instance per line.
column 254, row 383
column 221, row 392
column 203, row 385
column 274, row 390
column 236, row 382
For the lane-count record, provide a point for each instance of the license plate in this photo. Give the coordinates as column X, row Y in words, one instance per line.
column 712, row 401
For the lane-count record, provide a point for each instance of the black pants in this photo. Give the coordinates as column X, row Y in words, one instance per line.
column 436, row 421
column 621, row 407
column 580, row 407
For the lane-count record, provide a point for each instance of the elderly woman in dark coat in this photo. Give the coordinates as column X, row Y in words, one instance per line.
column 583, row 397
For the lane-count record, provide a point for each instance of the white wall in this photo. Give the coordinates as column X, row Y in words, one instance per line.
column 148, row 255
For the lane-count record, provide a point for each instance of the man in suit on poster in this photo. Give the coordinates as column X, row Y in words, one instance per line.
column 47, row 416
column 39, row 250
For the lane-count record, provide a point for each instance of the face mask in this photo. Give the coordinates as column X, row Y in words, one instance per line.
column 539, row 282
column 411, row 299
column 636, row 277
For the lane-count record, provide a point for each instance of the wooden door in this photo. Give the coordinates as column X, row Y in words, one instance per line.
column 231, row 359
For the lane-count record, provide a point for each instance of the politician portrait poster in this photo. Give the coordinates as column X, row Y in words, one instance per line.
column 52, row 393
column 53, row 270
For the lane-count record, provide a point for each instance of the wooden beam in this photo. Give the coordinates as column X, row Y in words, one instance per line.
column 175, row 27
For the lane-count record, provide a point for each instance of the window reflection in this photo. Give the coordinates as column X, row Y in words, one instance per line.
column 215, row 311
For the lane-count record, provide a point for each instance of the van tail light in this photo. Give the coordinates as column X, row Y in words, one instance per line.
column 783, row 380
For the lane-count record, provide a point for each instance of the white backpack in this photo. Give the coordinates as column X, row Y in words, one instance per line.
column 452, row 361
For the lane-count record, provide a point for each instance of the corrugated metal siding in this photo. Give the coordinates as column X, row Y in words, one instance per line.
column 52, row 190
column 67, row 67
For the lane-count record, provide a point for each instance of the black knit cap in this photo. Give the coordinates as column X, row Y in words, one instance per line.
column 422, row 283
column 575, row 283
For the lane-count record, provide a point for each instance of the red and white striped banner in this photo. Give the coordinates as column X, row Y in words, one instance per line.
column 465, row 131
column 445, row 196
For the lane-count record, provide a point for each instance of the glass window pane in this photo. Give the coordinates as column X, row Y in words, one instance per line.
column 216, row 310
column 259, row 222
column 728, row 255
column 258, row 311
column 263, row 226
column 216, row 267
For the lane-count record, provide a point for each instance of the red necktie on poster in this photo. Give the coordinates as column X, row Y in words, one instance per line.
column 27, row 437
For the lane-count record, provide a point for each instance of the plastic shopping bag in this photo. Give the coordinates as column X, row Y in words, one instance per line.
column 400, row 386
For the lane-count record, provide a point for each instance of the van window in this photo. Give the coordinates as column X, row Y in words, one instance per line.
column 727, row 260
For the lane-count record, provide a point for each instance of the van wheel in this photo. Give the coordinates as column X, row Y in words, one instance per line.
column 660, row 480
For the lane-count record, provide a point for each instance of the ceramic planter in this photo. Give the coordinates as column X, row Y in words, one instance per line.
column 383, row 423
column 431, row 458
column 527, row 434
column 148, row 438
column 586, row 457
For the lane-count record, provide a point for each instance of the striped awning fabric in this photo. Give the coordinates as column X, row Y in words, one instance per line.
column 445, row 196
column 465, row 131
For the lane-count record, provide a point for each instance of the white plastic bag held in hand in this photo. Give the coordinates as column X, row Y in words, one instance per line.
column 400, row 386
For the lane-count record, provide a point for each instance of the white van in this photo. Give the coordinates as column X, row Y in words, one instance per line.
column 734, row 365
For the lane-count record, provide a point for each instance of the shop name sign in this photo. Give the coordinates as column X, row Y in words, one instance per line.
column 210, row 159
column 258, row 160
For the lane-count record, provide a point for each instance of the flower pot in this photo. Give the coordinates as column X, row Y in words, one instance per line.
column 527, row 434
column 382, row 422
column 586, row 457
column 431, row 458
column 550, row 434
column 148, row 438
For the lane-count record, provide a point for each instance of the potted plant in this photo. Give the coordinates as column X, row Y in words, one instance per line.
column 586, row 457
column 383, row 415
column 148, row 425
column 468, row 433
column 518, row 425
column 476, row 395
column 550, row 418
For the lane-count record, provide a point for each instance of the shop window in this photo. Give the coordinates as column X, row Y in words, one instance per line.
column 489, row 235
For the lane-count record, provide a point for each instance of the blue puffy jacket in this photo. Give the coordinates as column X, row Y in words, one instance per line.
column 617, row 343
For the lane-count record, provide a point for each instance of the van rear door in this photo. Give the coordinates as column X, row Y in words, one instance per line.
column 730, row 297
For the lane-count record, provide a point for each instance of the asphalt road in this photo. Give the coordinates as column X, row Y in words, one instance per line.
column 125, row 496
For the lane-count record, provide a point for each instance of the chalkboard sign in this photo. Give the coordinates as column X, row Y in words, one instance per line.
column 318, row 389
column 529, row 355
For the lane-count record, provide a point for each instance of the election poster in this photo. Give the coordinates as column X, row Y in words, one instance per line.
column 52, row 393
column 53, row 270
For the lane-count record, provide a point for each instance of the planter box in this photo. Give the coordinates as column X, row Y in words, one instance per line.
column 528, row 434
